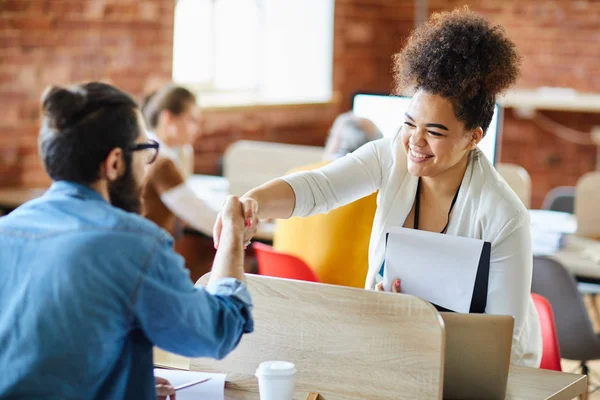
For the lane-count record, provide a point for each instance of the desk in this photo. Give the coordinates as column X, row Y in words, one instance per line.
column 533, row 384
column 574, row 258
column 11, row 198
column 214, row 190
column 523, row 384
column 550, row 227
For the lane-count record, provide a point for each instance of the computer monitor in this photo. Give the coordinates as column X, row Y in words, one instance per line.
column 387, row 112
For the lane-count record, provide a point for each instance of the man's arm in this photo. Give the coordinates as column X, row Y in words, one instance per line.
column 197, row 322
column 229, row 260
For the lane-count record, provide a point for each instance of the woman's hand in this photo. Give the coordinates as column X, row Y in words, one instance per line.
column 164, row 389
column 395, row 287
column 250, row 211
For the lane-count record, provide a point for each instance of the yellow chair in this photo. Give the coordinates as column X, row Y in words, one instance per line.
column 334, row 245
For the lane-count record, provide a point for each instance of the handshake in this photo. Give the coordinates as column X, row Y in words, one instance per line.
column 239, row 216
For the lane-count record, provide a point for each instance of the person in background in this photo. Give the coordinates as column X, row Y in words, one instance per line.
column 173, row 117
column 431, row 175
column 349, row 133
column 88, row 286
column 335, row 245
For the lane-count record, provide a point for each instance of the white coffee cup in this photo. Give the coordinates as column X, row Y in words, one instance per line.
column 276, row 380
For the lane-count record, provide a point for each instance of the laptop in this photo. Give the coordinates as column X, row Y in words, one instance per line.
column 477, row 356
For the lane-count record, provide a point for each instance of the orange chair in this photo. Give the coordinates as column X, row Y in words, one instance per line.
column 551, row 351
column 280, row 265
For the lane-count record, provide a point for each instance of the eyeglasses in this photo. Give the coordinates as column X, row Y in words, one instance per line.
column 151, row 145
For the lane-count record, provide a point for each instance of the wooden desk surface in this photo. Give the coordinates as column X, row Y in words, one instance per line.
column 14, row 197
column 523, row 384
column 535, row 384
column 579, row 257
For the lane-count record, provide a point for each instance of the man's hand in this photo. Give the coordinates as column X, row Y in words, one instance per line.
column 233, row 214
column 240, row 214
column 230, row 233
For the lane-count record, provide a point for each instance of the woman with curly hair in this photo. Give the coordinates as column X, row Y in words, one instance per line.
column 431, row 175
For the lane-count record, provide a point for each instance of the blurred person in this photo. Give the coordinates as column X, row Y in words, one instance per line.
column 173, row 118
column 335, row 245
column 88, row 286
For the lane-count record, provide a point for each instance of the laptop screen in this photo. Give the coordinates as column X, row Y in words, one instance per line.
column 387, row 112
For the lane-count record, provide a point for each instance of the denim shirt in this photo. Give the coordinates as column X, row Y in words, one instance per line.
column 87, row 289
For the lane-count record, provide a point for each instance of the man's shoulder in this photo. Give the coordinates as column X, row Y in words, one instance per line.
column 51, row 217
column 134, row 223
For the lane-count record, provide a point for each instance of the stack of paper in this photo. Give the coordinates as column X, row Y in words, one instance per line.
column 212, row 389
column 546, row 243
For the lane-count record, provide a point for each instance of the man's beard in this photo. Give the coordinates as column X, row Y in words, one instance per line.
column 125, row 193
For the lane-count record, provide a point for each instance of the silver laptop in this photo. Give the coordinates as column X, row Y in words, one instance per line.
column 477, row 356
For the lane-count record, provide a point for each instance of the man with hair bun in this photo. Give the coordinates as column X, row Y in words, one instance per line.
column 88, row 286
column 431, row 175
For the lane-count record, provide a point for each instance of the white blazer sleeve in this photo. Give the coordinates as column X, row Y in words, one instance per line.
column 510, row 283
column 341, row 182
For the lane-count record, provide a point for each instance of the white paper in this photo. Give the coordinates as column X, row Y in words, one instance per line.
column 546, row 243
column 214, row 389
column 547, row 221
column 436, row 267
column 212, row 189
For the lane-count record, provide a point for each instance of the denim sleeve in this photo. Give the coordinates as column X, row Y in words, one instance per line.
column 187, row 320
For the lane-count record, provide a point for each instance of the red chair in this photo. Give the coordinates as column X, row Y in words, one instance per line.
column 551, row 351
column 280, row 265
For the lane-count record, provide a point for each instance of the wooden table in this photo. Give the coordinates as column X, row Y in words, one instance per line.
column 536, row 384
column 580, row 257
column 11, row 198
column 523, row 384
column 584, row 268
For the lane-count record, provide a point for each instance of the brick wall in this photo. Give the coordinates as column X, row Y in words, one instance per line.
column 560, row 45
column 129, row 43
column 43, row 42
column 367, row 33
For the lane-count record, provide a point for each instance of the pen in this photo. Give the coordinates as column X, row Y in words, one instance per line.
column 190, row 384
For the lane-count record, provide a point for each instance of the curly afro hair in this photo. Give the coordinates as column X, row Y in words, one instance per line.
column 459, row 55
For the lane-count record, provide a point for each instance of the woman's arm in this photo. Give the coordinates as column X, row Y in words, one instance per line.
column 319, row 191
column 314, row 192
column 510, row 281
column 274, row 199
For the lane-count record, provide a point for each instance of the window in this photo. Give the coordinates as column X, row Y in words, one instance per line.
column 254, row 51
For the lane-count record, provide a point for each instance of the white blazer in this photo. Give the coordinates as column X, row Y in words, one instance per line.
column 486, row 209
